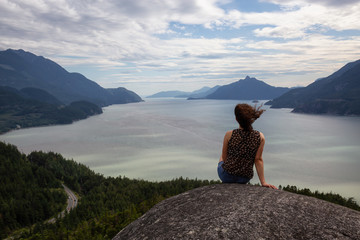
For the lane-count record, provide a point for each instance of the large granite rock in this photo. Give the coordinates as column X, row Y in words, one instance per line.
column 234, row 211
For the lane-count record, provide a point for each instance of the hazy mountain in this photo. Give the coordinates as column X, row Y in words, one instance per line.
column 338, row 94
column 165, row 94
column 200, row 93
column 122, row 95
column 247, row 89
column 20, row 69
column 201, row 90
column 203, row 94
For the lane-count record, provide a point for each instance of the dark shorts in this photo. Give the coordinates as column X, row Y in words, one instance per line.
column 226, row 177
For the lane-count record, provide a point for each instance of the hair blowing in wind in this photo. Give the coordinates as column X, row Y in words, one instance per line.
column 246, row 115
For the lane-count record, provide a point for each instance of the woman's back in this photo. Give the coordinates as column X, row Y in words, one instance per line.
column 241, row 152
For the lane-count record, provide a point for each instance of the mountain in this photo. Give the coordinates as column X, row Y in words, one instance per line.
column 20, row 69
column 122, row 95
column 39, row 95
column 30, row 107
column 201, row 90
column 247, row 89
column 337, row 94
column 200, row 93
column 165, row 94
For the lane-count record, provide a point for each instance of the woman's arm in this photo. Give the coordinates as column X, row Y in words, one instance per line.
column 225, row 146
column 259, row 164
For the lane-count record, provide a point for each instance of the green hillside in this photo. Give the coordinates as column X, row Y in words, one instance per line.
column 106, row 204
column 18, row 110
column 29, row 193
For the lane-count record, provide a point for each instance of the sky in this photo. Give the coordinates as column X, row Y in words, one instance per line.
column 149, row 46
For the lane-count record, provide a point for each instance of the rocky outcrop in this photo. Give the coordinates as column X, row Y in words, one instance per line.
column 234, row 211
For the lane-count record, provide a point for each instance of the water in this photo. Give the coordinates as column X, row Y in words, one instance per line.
column 163, row 139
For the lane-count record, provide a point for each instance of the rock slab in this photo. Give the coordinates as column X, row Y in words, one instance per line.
column 235, row 211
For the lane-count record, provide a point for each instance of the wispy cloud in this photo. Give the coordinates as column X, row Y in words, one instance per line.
column 196, row 42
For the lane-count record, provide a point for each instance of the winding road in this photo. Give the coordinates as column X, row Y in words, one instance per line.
column 72, row 202
column 72, row 199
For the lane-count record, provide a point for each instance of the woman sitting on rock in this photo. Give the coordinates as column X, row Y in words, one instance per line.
column 242, row 148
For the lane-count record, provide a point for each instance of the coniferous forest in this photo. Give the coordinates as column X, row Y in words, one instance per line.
column 31, row 193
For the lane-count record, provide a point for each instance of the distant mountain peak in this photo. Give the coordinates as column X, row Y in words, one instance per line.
column 248, row 78
column 247, row 89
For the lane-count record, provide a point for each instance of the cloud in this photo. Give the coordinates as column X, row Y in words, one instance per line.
column 296, row 22
column 336, row 3
column 171, row 40
column 278, row 32
column 123, row 28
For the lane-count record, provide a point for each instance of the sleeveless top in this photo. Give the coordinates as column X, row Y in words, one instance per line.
column 241, row 152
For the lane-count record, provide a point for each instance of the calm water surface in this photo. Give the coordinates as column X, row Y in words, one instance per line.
column 161, row 139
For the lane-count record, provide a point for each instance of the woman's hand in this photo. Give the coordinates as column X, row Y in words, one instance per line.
column 269, row 186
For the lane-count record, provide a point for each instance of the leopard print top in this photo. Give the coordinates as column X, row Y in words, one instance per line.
column 241, row 152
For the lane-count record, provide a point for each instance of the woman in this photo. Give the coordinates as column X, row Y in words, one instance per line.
column 242, row 148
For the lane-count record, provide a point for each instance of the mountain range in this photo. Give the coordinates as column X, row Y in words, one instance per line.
column 337, row 94
column 245, row 89
column 20, row 69
column 200, row 93
column 35, row 91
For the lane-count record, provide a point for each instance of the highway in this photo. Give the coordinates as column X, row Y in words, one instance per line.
column 72, row 202
column 72, row 199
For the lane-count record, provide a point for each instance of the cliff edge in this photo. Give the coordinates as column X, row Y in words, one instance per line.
column 234, row 211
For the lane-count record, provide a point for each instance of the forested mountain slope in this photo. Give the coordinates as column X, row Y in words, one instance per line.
column 20, row 69
column 337, row 94
column 30, row 188
column 32, row 107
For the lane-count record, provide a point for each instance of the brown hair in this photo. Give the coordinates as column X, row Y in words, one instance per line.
column 246, row 115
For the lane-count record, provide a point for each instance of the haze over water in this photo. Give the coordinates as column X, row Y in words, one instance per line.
column 162, row 139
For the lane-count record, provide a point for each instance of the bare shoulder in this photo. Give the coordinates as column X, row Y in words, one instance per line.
column 262, row 137
column 228, row 134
